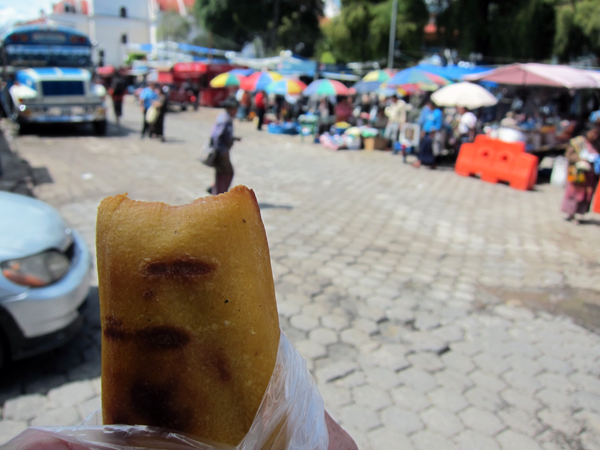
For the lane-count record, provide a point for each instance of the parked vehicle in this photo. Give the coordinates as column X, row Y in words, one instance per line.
column 44, row 278
column 51, row 67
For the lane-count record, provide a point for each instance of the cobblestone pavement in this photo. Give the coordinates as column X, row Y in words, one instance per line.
column 435, row 312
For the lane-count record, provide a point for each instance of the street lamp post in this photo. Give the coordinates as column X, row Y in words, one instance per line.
column 392, row 35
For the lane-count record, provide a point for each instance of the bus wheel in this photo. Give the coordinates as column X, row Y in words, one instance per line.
column 100, row 128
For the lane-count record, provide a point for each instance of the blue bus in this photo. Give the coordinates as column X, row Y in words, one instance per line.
column 50, row 69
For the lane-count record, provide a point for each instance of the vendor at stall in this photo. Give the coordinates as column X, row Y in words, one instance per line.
column 582, row 177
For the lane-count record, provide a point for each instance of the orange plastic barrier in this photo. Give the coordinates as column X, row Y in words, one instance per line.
column 596, row 204
column 496, row 160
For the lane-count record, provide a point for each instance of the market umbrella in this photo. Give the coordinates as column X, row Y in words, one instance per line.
column 286, row 86
column 372, row 81
column 379, row 75
column 465, row 94
column 417, row 76
column 534, row 74
column 327, row 87
column 225, row 79
column 259, row 81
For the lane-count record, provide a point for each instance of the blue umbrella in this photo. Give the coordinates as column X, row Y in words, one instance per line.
column 363, row 87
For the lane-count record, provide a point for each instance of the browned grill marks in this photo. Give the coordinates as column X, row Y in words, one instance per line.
column 163, row 337
column 185, row 268
column 113, row 329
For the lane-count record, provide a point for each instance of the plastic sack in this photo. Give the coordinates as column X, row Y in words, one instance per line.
column 152, row 114
column 290, row 417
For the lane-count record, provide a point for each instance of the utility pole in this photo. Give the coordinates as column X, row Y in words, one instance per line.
column 392, row 35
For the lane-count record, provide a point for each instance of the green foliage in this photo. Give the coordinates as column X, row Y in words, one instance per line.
column 577, row 29
column 173, row 27
column 502, row 31
column 361, row 31
column 281, row 24
column 327, row 58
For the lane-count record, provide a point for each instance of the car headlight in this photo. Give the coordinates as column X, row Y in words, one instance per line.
column 37, row 270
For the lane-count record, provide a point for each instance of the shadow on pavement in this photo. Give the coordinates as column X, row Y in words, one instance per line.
column 77, row 360
column 589, row 222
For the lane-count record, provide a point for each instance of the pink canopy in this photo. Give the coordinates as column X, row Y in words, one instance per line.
column 534, row 74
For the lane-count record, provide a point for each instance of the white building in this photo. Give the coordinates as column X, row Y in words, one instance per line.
column 110, row 24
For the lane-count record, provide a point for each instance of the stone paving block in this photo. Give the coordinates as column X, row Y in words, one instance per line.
column 586, row 382
column 10, row 428
column 359, row 417
column 334, row 396
column 429, row 362
column 555, row 399
column 335, row 322
column 335, row 370
column 555, row 365
column 449, row 333
column 471, row 440
column 441, row 422
column 89, row 407
column 521, row 382
column 310, row 349
column 425, row 341
column 468, row 348
column 481, row 421
column 427, row 440
column 25, row 407
column 372, row 398
column 382, row 378
column 359, row 436
column 453, row 380
column 556, row 382
column 491, row 364
column 401, row 420
column 410, row 399
column 585, row 400
column 458, row 361
column 385, row 438
column 511, row 440
column 513, row 313
column 323, row 336
column 355, row 337
column 524, row 364
column 417, row 379
column 483, row 398
column 560, row 421
column 287, row 309
column 448, row 400
column 487, row 381
column 520, row 420
column 304, row 322
column 520, row 401
column 63, row 416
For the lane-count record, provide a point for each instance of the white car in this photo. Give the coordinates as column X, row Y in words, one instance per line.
column 44, row 278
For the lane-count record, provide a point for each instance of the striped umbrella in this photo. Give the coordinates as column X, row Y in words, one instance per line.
column 379, row 75
column 326, row 87
column 225, row 79
column 416, row 76
column 259, row 81
column 286, row 86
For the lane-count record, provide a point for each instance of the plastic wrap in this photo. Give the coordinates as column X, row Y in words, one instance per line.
column 290, row 417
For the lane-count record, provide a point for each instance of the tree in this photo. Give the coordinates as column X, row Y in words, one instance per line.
column 281, row 24
column 577, row 28
column 502, row 31
column 174, row 27
column 361, row 31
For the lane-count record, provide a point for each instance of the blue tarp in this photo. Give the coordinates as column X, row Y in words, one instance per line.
column 454, row 73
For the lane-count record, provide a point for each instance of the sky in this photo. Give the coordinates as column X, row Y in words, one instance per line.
column 13, row 10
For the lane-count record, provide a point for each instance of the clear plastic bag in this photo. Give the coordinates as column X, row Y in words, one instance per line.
column 290, row 417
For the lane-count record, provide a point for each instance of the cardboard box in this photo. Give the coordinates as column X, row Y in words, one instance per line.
column 375, row 143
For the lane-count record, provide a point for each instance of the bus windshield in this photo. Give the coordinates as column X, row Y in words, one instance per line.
column 42, row 46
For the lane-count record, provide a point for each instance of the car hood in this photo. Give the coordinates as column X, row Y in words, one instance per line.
column 28, row 226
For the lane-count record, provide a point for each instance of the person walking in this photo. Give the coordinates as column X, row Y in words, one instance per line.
column 396, row 114
column 582, row 179
column 260, row 101
column 117, row 93
column 147, row 97
column 222, row 139
column 157, row 129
